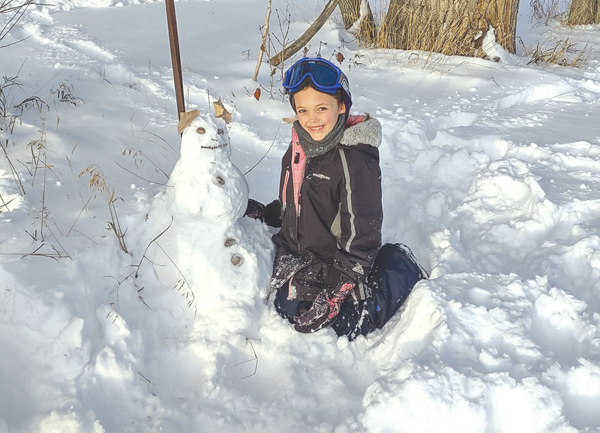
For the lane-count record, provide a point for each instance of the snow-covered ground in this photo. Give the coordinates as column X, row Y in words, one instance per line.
column 491, row 174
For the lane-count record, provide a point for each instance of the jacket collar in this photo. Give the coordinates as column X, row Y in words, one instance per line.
column 362, row 130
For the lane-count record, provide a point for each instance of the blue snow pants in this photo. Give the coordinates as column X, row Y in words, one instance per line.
column 392, row 277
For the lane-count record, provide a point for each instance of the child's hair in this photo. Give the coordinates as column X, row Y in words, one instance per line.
column 338, row 95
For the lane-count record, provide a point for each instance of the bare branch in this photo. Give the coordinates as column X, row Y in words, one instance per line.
column 264, row 41
column 288, row 52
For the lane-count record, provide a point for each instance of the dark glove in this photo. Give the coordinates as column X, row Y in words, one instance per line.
column 255, row 210
column 323, row 311
column 272, row 214
column 269, row 214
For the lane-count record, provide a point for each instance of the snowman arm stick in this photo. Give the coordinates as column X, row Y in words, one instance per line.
column 266, row 153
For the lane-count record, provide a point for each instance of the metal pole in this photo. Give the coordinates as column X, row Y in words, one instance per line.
column 175, row 59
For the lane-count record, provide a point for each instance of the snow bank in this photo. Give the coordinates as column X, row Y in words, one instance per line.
column 489, row 171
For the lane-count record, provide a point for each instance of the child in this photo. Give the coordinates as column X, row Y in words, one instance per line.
column 327, row 269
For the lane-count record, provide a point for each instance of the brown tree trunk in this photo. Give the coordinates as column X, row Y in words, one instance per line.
column 584, row 12
column 451, row 27
column 501, row 15
column 351, row 14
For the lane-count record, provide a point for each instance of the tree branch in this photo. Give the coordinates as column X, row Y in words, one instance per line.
column 288, row 52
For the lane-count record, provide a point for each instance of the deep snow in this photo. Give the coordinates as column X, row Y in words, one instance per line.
column 491, row 174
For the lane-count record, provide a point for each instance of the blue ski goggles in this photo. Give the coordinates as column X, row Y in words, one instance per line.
column 325, row 76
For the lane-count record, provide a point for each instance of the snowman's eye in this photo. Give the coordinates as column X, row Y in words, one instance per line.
column 219, row 131
column 201, row 131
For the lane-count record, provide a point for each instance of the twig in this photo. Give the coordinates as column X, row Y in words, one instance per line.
column 288, row 52
column 19, row 12
column 183, row 282
column 114, row 223
column 160, row 138
column 148, row 246
column 78, row 215
column 145, row 378
column 140, row 177
column 15, row 42
column 266, row 153
column 5, row 203
column 264, row 41
column 44, row 208
column 56, row 256
column 250, row 360
column 14, row 171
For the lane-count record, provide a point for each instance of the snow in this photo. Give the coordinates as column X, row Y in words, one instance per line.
column 491, row 173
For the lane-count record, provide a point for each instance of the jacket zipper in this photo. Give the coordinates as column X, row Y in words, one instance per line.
column 285, row 184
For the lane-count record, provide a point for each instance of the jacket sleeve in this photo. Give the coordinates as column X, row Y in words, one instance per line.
column 360, row 218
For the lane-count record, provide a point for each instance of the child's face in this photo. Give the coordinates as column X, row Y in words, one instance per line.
column 317, row 112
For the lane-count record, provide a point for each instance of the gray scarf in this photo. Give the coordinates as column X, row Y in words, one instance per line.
column 314, row 148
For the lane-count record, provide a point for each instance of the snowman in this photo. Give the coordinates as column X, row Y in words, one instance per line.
column 197, row 242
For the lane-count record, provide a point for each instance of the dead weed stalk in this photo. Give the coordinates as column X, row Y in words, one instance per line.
column 97, row 182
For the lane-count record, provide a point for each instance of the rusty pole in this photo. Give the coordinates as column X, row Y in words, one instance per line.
column 175, row 58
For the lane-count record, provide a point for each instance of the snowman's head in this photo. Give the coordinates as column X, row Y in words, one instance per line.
column 206, row 137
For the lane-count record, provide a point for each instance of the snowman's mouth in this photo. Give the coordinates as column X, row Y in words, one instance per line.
column 218, row 146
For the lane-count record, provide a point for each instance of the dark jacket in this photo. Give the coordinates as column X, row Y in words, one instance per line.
column 337, row 234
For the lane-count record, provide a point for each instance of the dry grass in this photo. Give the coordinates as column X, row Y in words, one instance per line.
column 584, row 12
column 97, row 182
column 563, row 53
column 556, row 50
column 544, row 11
column 15, row 12
column 37, row 166
column 182, row 286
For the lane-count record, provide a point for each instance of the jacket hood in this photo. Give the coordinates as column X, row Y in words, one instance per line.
column 362, row 130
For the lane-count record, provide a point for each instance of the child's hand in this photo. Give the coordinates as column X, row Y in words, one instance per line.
column 323, row 311
column 269, row 214
column 255, row 210
column 272, row 214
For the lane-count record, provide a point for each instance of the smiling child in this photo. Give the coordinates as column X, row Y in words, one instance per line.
column 330, row 268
